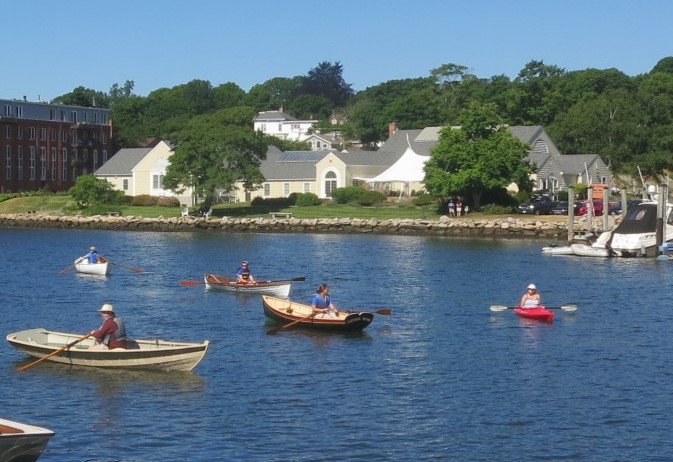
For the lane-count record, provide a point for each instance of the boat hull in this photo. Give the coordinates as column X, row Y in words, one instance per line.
column 21, row 442
column 537, row 314
column 101, row 269
column 286, row 311
column 225, row 284
column 150, row 354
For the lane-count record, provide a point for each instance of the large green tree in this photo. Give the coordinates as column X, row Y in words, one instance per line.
column 482, row 155
column 214, row 151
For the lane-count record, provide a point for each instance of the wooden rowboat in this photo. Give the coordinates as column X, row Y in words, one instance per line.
column 101, row 269
column 149, row 354
column 21, row 442
column 276, row 288
column 539, row 313
column 286, row 311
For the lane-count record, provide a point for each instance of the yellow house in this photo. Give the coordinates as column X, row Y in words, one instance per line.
column 137, row 171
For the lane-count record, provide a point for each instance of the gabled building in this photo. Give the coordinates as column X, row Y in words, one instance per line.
column 48, row 146
column 137, row 171
column 283, row 126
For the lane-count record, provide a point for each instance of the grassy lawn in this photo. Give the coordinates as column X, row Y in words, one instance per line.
column 54, row 205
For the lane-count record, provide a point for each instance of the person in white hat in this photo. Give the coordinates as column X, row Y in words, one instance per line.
column 92, row 256
column 243, row 274
column 112, row 333
column 531, row 298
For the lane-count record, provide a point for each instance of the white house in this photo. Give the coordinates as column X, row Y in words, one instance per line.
column 283, row 126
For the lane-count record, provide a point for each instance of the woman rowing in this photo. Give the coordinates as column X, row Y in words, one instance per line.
column 531, row 299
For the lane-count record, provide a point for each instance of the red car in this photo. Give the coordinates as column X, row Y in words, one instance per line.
column 598, row 208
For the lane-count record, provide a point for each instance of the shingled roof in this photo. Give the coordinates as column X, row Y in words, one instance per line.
column 122, row 163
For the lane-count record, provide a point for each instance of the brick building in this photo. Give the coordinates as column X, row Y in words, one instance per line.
column 48, row 146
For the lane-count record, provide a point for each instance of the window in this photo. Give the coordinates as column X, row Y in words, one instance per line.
column 157, row 182
column 43, row 163
column 286, row 189
column 267, row 189
column 31, row 133
column 104, row 155
column 19, row 163
column 62, row 115
column 19, row 133
column 125, row 184
column 103, row 138
column 54, row 164
column 307, row 188
column 73, row 117
column 53, row 134
column 8, row 132
column 31, row 163
column 8, row 110
column 330, row 183
column 52, row 114
column 95, row 159
column 19, row 111
column 64, row 135
column 8, row 163
column 280, row 127
column 43, row 134
column 64, row 164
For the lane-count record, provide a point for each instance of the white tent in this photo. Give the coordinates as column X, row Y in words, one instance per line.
column 408, row 169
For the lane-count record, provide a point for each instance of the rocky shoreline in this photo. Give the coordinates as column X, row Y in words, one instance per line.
column 509, row 227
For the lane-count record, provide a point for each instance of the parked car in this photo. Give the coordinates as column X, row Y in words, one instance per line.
column 540, row 206
column 615, row 208
column 560, row 208
column 597, row 205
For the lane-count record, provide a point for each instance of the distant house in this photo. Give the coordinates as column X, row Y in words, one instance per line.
column 283, row 126
column 137, row 171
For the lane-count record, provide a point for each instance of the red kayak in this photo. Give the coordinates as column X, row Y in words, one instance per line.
column 538, row 313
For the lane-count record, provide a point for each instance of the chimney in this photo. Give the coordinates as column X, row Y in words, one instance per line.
column 392, row 128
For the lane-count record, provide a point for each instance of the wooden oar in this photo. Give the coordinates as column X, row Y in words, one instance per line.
column 569, row 307
column 135, row 270
column 65, row 270
column 196, row 283
column 71, row 344
column 285, row 326
column 383, row 311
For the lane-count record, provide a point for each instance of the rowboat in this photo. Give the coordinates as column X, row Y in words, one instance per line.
column 21, row 442
column 149, row 354
column 286, row 311
column 538, row 313
column 101, row 268
column 275, row 288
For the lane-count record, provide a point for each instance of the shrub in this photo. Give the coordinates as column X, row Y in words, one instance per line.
column 145, row 200
column 307, row 200
column 424, row 199
column 494, row 209
column 347, row 194
column 272, row 202
column 168, row 202
column 371, row 198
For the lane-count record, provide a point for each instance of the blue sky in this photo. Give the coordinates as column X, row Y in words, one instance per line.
column 51, row 47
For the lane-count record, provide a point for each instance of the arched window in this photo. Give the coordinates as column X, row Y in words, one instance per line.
column 330, row 183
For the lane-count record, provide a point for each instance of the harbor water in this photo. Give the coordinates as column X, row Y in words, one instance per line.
column 442, row 378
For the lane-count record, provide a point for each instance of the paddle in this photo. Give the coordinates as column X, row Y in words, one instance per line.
column 196, row 283
column 569, row 307
column 65, row 270
column 23, row 368
column 285, row 326
column 383, row 311
column 135, row 270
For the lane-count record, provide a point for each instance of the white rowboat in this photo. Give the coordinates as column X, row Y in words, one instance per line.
column 100, row 269
column 21, row 442
column 275, row 288
column 150, row 354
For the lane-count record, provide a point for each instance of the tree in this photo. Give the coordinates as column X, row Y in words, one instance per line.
column 327, row 80
column 214, row 151
column 85, row 97
column 89, row 190
column 480, row 156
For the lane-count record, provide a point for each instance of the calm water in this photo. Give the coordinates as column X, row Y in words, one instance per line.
column 443, row 378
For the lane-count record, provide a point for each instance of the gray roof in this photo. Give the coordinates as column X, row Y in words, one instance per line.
column 273, row 116
column 575, row 162
column 123, row 162
column 291, row 165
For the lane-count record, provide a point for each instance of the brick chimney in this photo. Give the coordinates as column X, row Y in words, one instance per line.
column 392, row 128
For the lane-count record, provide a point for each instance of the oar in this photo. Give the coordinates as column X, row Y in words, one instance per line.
column 196, row 283
column 71, row 344
column 135, row 270
column 383, row 311
column 65, row 270
column 285, row 326
column 569, row 307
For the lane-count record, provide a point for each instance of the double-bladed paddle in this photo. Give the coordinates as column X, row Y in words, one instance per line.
column 569, row 307
column 55, row 352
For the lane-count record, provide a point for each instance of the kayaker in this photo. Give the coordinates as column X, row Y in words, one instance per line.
column 322, row 304
column 112, row 333
column 92, row 256
column 531, row 298
column 243, row 274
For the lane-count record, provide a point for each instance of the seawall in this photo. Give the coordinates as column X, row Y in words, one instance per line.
column 509, row 227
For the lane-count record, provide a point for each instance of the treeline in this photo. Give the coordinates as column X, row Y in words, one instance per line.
column 627, row 120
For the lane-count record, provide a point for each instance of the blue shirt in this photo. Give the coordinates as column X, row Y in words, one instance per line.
column 321, row 301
